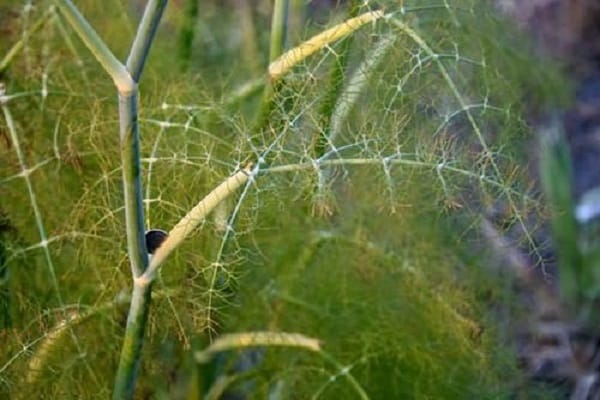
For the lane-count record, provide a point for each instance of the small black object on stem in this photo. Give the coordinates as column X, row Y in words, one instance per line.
column 154, row 238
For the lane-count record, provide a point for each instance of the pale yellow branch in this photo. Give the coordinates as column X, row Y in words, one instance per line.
column 257, row 339
column 193, row 218
column 287, row 60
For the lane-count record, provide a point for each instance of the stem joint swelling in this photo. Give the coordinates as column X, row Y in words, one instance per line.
column 144, row 280
column 127, row 87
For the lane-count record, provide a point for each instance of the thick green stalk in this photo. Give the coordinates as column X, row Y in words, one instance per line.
column 136, row 246
column 134, row 211
column 133, row 340
column 279, row 24
column 126, row 78
column 132, row 182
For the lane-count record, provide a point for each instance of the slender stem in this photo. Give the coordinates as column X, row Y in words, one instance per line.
column 278, row 28
column 278, row 36
column 144, row 36
column 96, row 45
column 133, row 340
column 251, row 55
column 129, row 139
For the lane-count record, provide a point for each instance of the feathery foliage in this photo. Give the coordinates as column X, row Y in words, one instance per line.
column 376, row 156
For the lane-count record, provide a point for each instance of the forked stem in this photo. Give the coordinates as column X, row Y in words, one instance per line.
column 134, row 211
column 126, row 77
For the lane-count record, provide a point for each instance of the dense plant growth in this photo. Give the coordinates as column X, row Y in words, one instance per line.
column 341, row 255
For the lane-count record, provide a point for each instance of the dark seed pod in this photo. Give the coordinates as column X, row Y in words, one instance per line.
column 154, row 238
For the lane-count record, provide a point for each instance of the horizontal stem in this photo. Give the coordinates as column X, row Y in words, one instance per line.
column 236, row 341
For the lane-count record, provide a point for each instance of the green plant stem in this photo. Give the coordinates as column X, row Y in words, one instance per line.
column 96, row 45
column 134, row 211
column 278, row 36
column 132, row 182
column 136, row 246
column 278, row 28
column 133, row 340
column 143, row 39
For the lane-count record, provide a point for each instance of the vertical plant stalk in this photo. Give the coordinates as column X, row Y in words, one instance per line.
column 134, row 218
column 132, row 182
column 133, row 340
column 134, row 211
column 126, row 78
column 279, row 24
